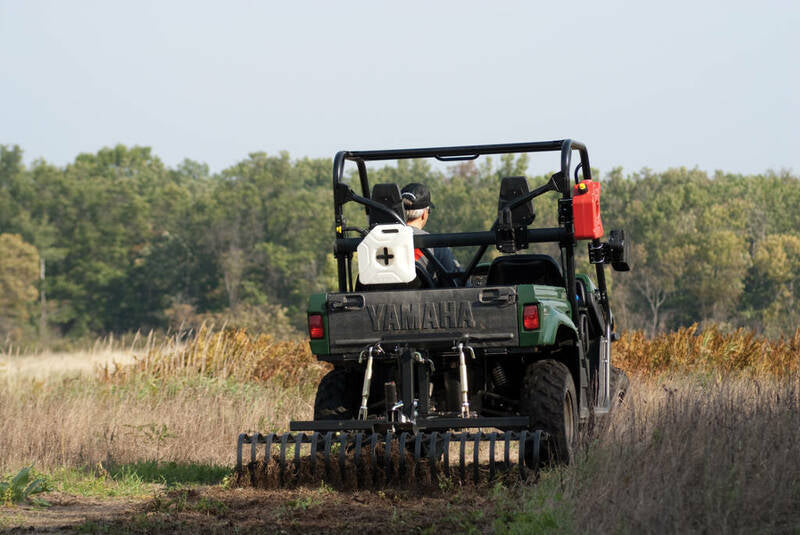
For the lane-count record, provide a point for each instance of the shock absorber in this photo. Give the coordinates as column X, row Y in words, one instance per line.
column 362, row 411
column 464, row 385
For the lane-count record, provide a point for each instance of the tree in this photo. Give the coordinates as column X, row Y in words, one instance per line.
column 19, row 270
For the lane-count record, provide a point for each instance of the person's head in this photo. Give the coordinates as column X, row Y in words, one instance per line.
column 417, row 202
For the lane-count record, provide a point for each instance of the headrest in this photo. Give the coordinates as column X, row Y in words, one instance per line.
column 389, row 196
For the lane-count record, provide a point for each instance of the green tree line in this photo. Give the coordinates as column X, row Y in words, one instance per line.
column 116, row 241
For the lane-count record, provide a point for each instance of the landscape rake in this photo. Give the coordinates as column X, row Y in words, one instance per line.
column 358, row 460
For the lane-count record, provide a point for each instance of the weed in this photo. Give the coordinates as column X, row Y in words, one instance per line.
column 22, row 488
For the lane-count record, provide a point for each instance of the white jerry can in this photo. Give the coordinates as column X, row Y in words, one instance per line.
column 386, row 255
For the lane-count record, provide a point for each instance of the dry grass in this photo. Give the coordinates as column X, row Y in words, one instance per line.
column 229, row 354
column 80, row 422
column 177, row 401
column 688, row 350
column 689, row 455
column 47, row 365
column 706, row 442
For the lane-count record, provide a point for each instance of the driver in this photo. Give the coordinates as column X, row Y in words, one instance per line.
column 417, row 202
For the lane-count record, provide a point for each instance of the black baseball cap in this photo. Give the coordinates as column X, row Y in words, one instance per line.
column 416, row 196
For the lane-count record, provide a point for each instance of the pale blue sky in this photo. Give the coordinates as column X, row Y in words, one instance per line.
column 707, row 84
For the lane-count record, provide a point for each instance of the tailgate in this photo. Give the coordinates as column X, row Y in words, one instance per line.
column 425, row 318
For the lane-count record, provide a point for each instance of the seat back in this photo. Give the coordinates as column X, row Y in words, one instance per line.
column 389, row 196
column 525, row 269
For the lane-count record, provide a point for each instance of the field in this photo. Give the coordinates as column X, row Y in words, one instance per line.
column 706, row 441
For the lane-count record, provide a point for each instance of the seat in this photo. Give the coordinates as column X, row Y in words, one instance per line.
column 525, row 269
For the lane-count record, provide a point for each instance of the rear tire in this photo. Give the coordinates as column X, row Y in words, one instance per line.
column 548, row 395
column 337, row 396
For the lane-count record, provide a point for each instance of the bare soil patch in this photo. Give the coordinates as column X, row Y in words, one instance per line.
column 219, row 510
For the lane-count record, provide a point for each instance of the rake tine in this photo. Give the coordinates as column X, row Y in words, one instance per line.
column 462, row 467
column 357, row 457
column 240, row 442
column 314, row 439
column 433, row 454
column 342, row 451
column 268, row 447
column 446, row 460
column 418, row 446
column 402, row 449
column 298, row 441
column 357, row 454
column 387, row 453
column 492, row 439
column 328, row 439
column 284, row 442
column 507, row 450
column 522, row 438
column 475, row 453
column 373, row 445
column 253, row 446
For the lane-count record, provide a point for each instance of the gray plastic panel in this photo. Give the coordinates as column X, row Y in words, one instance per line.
column 486, row 317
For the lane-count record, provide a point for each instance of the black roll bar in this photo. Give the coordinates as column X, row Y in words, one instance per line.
column 564, row 235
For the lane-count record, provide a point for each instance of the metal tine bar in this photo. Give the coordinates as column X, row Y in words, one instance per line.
column 298, row 441
column 492, row 440
column 373, row 443
column 475, row 452
column 268, row 447
column 253, row 446
column 314, row 439
column 342, row 451
column 402, row 449
column 327, row 454
column 507, row 450
column 446, row 456
column 433, row 454
column 240, row 442
column 284, row 442
column 418, row 446
column 522, row 438
column 462, row 465
column 357, row 453
column 387, row 454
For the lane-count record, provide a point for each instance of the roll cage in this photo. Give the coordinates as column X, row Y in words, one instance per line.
column 564, row 234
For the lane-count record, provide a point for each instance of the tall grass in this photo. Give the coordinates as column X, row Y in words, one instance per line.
column 689, row 350
column 183, row 401
column 228, row 354
column 693, row 454
column 707, row 440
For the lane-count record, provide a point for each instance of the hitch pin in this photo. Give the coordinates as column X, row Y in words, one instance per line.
column 362, row 411
column 462, row 367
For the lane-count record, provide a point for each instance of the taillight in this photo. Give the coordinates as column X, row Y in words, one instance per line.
column 530, row 317
column 315, row 327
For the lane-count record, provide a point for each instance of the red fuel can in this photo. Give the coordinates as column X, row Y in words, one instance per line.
column 586, row 210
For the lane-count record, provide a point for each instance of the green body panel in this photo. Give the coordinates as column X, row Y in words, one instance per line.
column 587, row 282
column 316, row 305
column 554, row 312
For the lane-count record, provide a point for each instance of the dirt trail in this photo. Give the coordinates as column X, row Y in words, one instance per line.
column 218, row 510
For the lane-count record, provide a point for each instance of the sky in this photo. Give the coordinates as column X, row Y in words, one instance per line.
column 643, row 84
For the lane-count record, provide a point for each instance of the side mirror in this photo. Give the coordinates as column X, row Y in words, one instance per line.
column 619, row 251
column 615, row 252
